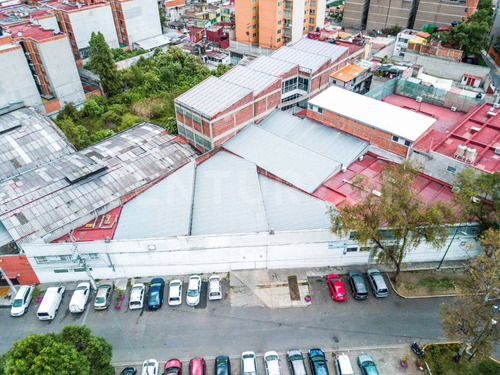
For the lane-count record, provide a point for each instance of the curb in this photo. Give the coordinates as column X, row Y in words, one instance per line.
column 418, row 297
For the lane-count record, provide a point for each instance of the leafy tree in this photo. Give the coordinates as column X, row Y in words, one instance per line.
column 171, row 125
column 395, row 221
column 496, row 44
column 101, row 134
column 69, row 110
column 163, row 18
column 472, row 316
column 92, row 108
column 479, row 197
column 485, row 4
column 221, row 69
column 101, row 62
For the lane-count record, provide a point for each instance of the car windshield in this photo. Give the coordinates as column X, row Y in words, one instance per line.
column 213, row 294
column 17, row 303
column 174, row 284
column 171, row 370
column 100, row 300
column 154, row 298
column 81, row 288
column 138, row 288
column 135, row 303
column 340, row 294
column 317, row 358
column 368, row 363
column 295, row 358
column 250, row 373
column 248, row 356
column 335, row 279
column 174, row 298
column 192, row 292
column 272, row 358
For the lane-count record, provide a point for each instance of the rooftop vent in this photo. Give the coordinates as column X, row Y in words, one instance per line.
column 453, row 109
column 418, row 99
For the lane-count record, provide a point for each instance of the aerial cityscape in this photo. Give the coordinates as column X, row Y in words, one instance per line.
column 249, row 187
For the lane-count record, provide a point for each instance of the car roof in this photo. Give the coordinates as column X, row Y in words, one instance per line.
column 102, row 291
column 193, row 281
column 22, row 290
column 345, row 362
column 373, row 270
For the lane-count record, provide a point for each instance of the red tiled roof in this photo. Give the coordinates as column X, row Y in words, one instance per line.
column 33, row 31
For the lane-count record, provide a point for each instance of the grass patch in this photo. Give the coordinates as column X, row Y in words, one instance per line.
column 439, row 357
column 428, row 282
column 304, row 283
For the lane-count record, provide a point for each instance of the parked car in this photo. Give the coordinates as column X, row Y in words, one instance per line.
column 128, row 371
column 103, row 296
column 317, row 361
column 296, row 362
column 367, row 365
column 337, row 288
column 150, row 367
column 50, row 304
column 357, row 284
column 155, row 296
column 79, row 298
column 22, row 300
column 377, row 283
column 197, row 366
column 214, row 288
column 248, row 363
column 272, row 363
column 137, row 296
column 173, row 367
column 193, row 291
column 222, row 365
column 343, row 365
column 175, row 293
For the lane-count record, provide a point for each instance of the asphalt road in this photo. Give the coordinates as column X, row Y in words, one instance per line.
column 216, row 328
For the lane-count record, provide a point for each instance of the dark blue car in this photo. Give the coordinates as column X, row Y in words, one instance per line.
column 317, row 360
column 155, row 296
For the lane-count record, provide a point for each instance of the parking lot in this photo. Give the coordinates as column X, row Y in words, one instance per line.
column 215, row 327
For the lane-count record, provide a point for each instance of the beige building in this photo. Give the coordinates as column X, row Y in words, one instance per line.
column 271, row 23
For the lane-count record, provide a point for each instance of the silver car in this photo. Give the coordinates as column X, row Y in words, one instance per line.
column 193, row 291
column 272, row 363
column 103, row 296
column 296, row 362
column 214, row 288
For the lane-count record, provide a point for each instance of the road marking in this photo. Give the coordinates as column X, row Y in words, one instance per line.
column 85, row 316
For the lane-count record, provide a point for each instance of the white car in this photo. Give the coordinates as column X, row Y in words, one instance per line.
column 214, row 288
column 150, row 367
column 175, row 293
column 137, row 296
column 193, row 291
column 79, row 298
column 22, row 300
column 248, row 363
column 272, row 363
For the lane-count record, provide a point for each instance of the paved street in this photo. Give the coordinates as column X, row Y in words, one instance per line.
column 218, row 328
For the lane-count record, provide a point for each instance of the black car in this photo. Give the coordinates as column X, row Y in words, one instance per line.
column 155, row 296
column 317, row 361
column 357, row 284
column 128, row 371
column 222, row 365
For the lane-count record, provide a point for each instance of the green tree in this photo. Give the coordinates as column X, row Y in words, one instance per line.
column 496, row 44
column 221, row 69
column 73, row 351
column 69, row 110
column 478, row 197
column 92, row 107
column 395, row 220
column 472, row 316
column 485, row 4
column 163, row 19
column 101, row 62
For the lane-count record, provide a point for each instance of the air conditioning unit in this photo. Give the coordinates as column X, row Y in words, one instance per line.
column 419, row 99
column 361, row 158
column 344, row 169
column 492, row 113
column 453, row 109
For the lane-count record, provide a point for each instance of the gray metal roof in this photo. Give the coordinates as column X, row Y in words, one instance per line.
column 249, row 78
column 212, row 96
column 296, row 164
column 227, row 197
column 309, row 62
column 271, row 66
column 321, row 139
column 5, row 237
column 161, row 211
column 332, row 51
column 42, row 201
column 27, row 140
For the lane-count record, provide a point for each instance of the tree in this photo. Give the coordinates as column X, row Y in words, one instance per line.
column 496, row 44
column 221, row 69
column 478, row 197
column 101, row 62
column 395, row 221
column 472, row 316
column 74, row 351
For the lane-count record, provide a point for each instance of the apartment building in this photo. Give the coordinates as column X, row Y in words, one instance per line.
column 272, row 24
column 380, row 14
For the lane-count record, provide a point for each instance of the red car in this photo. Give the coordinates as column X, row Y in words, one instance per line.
column 337, row 287
column 173, row 366
column 197, row 366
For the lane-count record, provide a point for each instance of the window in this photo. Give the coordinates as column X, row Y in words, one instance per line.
column 407, row 143
column 312, row 12
column 351, row 249
column 279, row 31
column 53, row 259
column 280, row 13
column 313, row 4
column 289, row 85
column 312, row 20
column 254, row 18
column 254, row 9
column 288, row 4
column 320, row 110
column 365, row 248
column 280, row 4
column 288, row 14
column 395, row 139
column 254, row 27
column 278, row 40
column 290, row 98
column 311, row 28
column 279, row 22
column 352, row 235
column 303, row 84
column 254, row 35
column 61, row 271
column 79, row 270
column 254, row 1
column 451, row 169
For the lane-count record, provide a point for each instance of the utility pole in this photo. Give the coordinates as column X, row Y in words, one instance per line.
column 12, row 287
column 76, row 258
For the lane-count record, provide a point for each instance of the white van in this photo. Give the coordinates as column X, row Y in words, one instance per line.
column 50, row 303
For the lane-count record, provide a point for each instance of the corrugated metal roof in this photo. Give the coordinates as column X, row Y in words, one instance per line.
column 306, row 60
column 384, row 116
column 5, row 237
column 290, row 209
column 212, row 96
column 332, row 51
column 227, row 197
column 271, row 66
column 27, row 140
column 249, row 78
column 321, row 139
column 300, row 166
column 161, row 211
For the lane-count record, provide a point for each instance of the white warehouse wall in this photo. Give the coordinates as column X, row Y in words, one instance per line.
column 95, row 19
column 59, row 63
column 16, row 82
column 206, row 254
column 48, row 23
column 142, row 19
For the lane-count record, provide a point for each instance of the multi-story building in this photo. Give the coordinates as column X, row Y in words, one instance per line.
column 380, row 14
column 356, row 77
column 271, row 24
